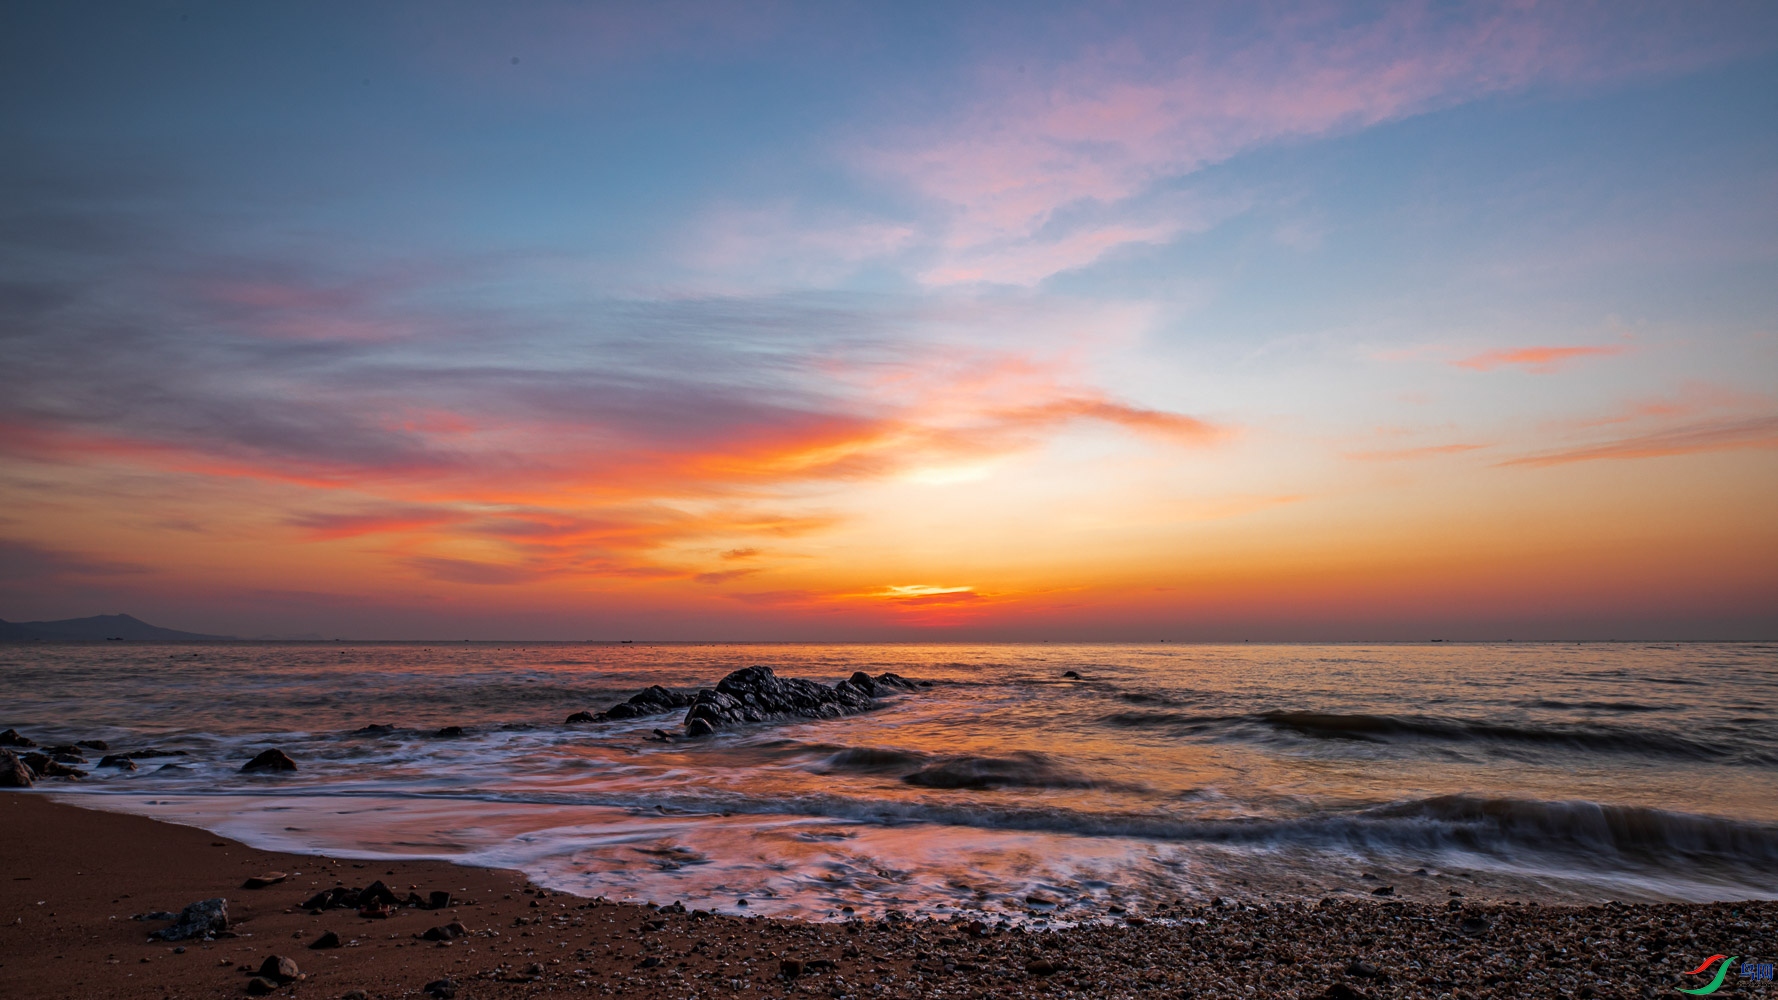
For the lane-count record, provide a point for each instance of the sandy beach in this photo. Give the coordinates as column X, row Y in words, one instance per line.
column 77, row 878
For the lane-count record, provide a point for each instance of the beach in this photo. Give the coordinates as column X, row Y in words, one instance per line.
column 76, row 877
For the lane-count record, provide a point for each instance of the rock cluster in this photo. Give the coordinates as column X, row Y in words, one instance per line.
column 653, row 700
column 756, row 694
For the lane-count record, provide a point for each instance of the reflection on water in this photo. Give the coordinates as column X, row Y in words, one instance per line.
column 1163, row 771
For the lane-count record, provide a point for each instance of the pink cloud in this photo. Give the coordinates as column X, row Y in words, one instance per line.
column 1540, row 360
column 1126, row 110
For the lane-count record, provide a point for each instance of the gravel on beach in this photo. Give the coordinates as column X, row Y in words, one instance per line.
column 75, row 879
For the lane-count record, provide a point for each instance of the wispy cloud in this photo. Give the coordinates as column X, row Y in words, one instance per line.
column 1538, row 360
column 1049, row 163
column 1705, row 436
column 1410, row 454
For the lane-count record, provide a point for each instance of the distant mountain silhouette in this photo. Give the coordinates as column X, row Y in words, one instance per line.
column 96, row 627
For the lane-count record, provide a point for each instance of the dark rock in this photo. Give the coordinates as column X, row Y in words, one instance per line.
column 1340, row 991
column 1042, row 967
column 648, row 963
column 441, row 989
column 328, row 939
column 449, row 732
column 449, row 932
column 279, row 969
column 1070, row 675
column 755, row 694
column 11, row 738
column 438, row 899
column 652, row 700
column 1383, row 890
column 99, row 745
column 49, row 767
column 260, row 986
column 13, row 772
column 201, row 919
column 1474, row 924
column 354, row 995
column 270, row 760
column 120, row 761
column 374, row 729
column 261, row 881
column 579, row 717
column 790, row 968
column 377, row 894
column 698, row 727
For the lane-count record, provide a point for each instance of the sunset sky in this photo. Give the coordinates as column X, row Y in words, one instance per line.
column 879, row 321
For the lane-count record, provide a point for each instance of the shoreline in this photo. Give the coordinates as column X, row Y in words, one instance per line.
column 77, row 876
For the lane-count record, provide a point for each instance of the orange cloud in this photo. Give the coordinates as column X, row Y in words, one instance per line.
column 1406, row 454
column 1756, row 432
column 1540, row 360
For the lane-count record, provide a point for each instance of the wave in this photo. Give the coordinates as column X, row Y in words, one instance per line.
column 1020, row 770
column 1595, row 706
column 1601, row 738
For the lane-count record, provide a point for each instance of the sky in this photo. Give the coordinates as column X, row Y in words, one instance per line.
column 827, row 321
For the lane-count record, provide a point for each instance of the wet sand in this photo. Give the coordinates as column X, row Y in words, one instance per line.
column 74, row 878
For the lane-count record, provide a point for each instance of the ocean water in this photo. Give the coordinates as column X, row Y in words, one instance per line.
column 1560, row 772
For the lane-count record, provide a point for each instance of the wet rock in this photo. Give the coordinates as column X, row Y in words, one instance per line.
column 99, row 745
column 279, row 969
column 1042, row 967
column 652, row 700
column 45, row 766
column 260, row 986
column 438, row 899
column 120, row 761
column 698, row 727
column 1383, row 890
column 201, row 919
column 449, row 932
column 1070, row 675
column 11, row 738
column 328, row 939
column 261, row 881
column 449, row 732
column 790, row 968
column 441, row 989
column 1340, row 991
column 270, row 760
column 756, row 694
column 648, row 963
column 1474, row 924
column 579, row 717
column 374, row 729
column 13, row 772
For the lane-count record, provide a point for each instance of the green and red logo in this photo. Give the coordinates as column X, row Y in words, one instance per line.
column 1716, row 982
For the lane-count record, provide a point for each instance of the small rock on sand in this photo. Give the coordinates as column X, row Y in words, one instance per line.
column 261, row 881
column 200, row 919
column 328, row 939
column 441, row 989
column 260, row 986
column 279, row 969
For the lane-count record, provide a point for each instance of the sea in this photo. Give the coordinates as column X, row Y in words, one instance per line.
column 1038, row 783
